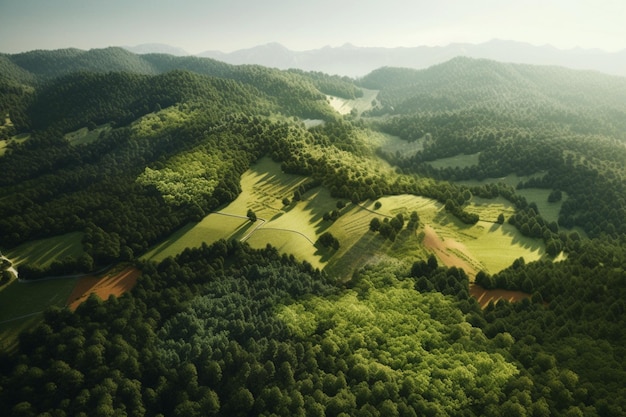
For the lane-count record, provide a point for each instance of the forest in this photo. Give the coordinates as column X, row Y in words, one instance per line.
column 226, row 329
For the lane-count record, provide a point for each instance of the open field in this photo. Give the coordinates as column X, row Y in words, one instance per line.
column 460, row 161
column 16, row 139
column 43, row 252
column 511, row 179
column 484, row 246
column 484, row 297
column 361, row 104
column 390, row 144
column 21, row 305
column 547, row 210
column 115, row 282
column 295, row 228
column 83, row 136
column 211, row 229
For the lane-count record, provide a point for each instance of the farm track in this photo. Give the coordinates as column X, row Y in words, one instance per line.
column 262, row 222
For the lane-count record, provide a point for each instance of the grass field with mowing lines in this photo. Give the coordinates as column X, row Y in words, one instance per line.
column 294, row 228
column 211, row 229
column 43, row 252
column 486, row 245
column 21, row 306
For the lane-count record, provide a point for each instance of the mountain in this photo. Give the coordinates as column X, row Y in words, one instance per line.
column 356, row 61
column 156, row 48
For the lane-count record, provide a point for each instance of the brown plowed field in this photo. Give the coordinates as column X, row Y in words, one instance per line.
column 115, row 282
column 484, row 296
column 442, row 250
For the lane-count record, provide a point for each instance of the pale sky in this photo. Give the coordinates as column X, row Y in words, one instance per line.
column 200, row 25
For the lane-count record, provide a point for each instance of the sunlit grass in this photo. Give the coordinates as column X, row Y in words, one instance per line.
column 43, row 252
column 460, row 161
column 84, row 136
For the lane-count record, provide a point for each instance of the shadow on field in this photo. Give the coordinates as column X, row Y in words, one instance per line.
column 171, row 239
column 365, row 250
column 531, row 243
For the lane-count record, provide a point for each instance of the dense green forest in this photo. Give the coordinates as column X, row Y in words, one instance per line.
column 225, row 329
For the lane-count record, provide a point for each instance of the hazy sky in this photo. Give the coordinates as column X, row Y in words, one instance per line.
column 227, row 25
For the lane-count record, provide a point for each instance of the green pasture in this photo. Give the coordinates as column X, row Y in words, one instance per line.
column 84, row 136
column 295, row 228
column 43, row 252
column 539, row 196
column 15, row 139
column 21, row 305
column 211, row 229
column 460, row 161
column 344, row 106
column 393, row 145
column 486, row 245
column 511, row 179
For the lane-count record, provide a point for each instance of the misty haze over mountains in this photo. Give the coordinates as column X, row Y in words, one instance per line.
column 356, row 61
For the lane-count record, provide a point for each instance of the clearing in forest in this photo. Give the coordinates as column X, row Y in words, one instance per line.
column 294, row 228
column 22, row 304
column 15, row 139
column 115, row 282
column 43, row 252
column 345, row 106
column 84, row 136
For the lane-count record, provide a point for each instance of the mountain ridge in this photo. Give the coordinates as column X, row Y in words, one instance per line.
column 355, row 61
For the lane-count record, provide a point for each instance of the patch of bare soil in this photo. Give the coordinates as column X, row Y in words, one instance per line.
column 445, row 250
column 484, row 296
column 115, row 283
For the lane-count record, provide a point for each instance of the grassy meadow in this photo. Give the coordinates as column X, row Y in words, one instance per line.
column 21, row 306
column 460, row 161
column 16, row 139
column 84, row 136
column 43, row 252
column 295, row 228
column 344, row 106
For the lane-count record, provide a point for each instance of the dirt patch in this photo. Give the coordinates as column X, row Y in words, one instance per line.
column 115, row 282
column 484, row 296
column 445, row 251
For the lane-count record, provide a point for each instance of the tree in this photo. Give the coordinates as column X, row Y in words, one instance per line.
column 327, row 240
column 375, row 224
column 555, row 196
column 500, row 219
column 251, row 215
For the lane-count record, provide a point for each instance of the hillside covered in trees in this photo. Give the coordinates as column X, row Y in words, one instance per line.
column 225, row 329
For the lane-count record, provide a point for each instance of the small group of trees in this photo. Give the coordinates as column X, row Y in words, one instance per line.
column 327, row 240
column 390, row 227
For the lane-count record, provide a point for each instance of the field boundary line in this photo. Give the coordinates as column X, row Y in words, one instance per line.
column 21, row 317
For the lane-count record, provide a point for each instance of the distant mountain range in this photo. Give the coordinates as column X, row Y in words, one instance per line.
column 356, row 61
